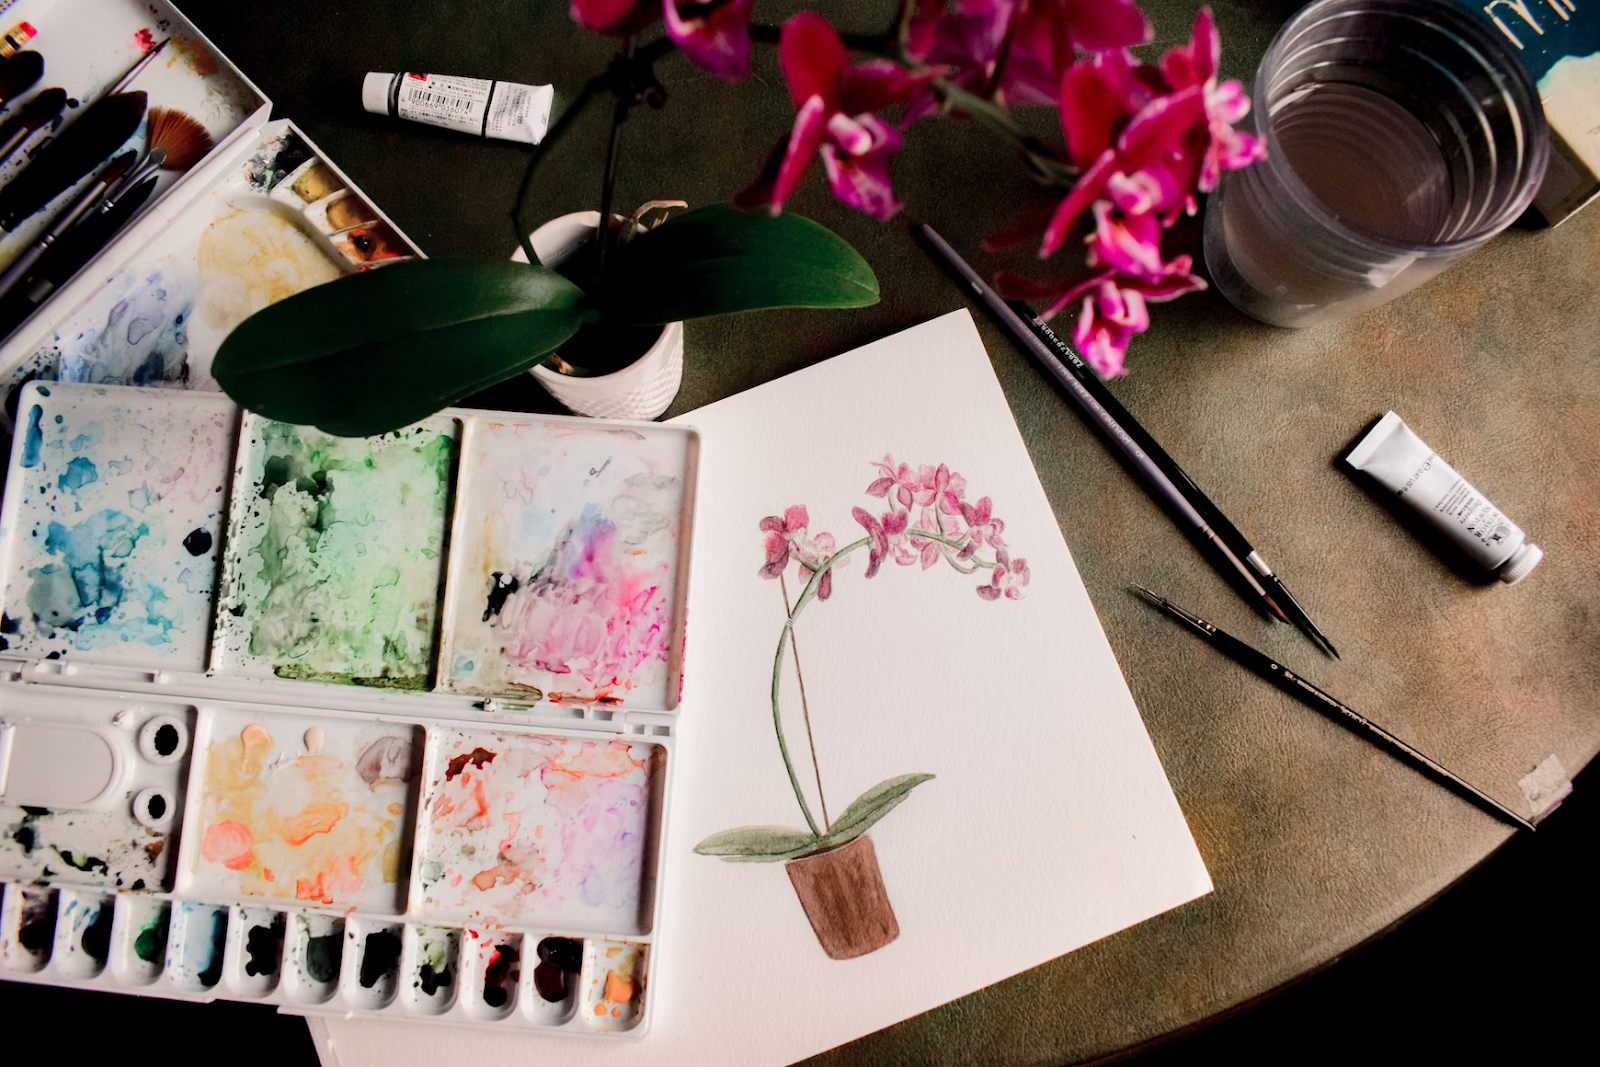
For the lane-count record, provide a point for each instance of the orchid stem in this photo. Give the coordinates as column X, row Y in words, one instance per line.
column 805, row 705
column 806, row 596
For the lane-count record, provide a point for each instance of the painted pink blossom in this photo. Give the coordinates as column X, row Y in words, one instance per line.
column 1007, row 579
column 984, row 525
column 836, row 100
column 787, row 536
column 714, row 34
column 944, row 488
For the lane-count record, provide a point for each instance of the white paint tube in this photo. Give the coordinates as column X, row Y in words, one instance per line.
column 483, row 108
column 1399, row 461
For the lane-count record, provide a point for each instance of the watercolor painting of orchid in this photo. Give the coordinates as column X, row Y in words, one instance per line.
column 923, row 518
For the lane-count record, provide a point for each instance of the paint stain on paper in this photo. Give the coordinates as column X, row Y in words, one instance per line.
column 521, row 825
column 337, row 554
column 141, row 338
column 280, row 821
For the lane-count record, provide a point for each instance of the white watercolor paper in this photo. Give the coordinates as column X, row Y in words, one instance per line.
column 1049, row 822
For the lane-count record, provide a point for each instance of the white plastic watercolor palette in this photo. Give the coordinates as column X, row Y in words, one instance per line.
column 377, row 726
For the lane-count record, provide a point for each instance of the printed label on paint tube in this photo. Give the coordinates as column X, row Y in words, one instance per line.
column 504, row 110
column 1403, row 464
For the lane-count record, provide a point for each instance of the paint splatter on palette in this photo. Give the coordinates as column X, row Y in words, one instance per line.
column 520, row 827
column 372, row 768
column 564, row 580
column 303, row 808
column 114, row 514
column 337, row 554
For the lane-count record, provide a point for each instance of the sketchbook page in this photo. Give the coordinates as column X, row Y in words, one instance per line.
column 975, row 711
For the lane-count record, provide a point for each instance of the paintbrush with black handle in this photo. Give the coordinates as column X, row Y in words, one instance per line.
column 80, row 244
column 45, row 107
column 78, row 149
column 20, row 73
column 22, row 266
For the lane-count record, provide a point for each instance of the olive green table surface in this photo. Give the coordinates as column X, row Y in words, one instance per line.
column 1316, row 841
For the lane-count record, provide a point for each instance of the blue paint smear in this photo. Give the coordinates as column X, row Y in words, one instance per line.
column 144, row 341
column 34, row 439
column 80, row 472
column 90, row 591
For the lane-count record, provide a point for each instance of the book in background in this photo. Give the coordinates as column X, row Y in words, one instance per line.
column 1559, row 41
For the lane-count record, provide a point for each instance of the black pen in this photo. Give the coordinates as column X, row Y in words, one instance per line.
column 1092, row 409
column 1310, row 695
column 1202, row 503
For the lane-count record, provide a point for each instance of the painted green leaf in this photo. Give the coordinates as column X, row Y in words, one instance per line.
column 757, row 844
column 717, row 260
column 379, row 350
column 869, row 807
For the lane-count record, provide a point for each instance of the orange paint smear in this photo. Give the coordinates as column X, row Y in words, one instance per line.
column 230, row 844
column 315, row 818
column 618, row 990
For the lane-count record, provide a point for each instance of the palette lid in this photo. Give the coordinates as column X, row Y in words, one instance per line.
column 87, row 47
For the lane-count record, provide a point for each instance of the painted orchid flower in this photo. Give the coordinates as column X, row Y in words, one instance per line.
column 982, row 524
column 787, row 537
column 943, row 488
column 1007, row 579
column 888, row 538
column 836, row 101
column 900, row 484
column 714, row 34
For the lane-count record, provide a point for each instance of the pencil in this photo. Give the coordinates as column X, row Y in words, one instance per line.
column 1318, row 699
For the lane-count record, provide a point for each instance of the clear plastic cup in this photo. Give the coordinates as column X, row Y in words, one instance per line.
column 1400, row 135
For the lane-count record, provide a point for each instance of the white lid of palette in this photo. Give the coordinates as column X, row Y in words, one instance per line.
column 87, row 46
column 341, row 744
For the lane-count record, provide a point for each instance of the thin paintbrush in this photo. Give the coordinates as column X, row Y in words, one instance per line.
column 1310, row 695
column 23, row 264
column 42, row 110
column 133, row 71
column 82, row 146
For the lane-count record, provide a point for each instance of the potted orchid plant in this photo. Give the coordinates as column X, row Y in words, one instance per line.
column 1139, row 143
column 927, row 520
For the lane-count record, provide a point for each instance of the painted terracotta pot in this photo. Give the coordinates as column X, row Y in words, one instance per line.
column 641, row 390
column 843, row 895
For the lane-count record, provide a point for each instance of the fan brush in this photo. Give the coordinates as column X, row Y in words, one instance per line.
column 181, row 137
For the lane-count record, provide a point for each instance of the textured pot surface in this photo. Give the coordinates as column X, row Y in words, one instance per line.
column 844, row 897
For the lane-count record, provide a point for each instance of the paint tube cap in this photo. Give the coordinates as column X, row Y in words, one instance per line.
column 375, row 91
column 1521, row 563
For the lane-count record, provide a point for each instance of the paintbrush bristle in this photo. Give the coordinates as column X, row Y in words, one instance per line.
column 185, row 141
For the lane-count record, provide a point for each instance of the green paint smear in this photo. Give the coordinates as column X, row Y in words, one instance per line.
column 322, row 957
column 341, row 555
column 151, row 944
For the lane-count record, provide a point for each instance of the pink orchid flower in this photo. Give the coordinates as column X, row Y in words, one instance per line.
column 982, row 524
column 888, row 536
column 905, row 483
column 929, row 551
column 714, row 34
column 836, row 101
column 1148, row 139
column 1008, row 578
column 943, row 488
column 787, row 536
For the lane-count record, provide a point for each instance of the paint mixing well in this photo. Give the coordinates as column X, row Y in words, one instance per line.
column 379, row 727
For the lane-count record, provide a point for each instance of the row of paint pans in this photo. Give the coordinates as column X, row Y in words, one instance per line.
column 307, row 961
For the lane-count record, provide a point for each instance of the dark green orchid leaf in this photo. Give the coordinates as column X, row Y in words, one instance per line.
column 757, row 844
column 717, row 260
column 379, row 350
column 871, row 806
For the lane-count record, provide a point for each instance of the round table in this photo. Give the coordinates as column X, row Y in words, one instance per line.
column 1316, row 840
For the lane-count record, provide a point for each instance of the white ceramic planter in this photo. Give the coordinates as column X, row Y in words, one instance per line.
column 641, row 390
